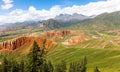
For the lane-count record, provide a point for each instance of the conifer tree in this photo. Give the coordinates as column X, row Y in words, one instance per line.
column 14, row 66
column 48, row 67
column 72, row 67
column 78, row 66
column 5, row 65
column 36, row 59
column 96, row 69
column 61, row 67
column 83, row 65
column 22, row 66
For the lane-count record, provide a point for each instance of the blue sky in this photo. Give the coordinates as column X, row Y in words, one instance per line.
column 46, row 4
column 23, row 10
column 42, row 4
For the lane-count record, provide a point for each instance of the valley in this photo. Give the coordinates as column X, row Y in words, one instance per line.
column 97, row 39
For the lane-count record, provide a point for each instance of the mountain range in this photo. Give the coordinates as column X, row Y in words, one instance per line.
column 103, row 21
column 75, row 16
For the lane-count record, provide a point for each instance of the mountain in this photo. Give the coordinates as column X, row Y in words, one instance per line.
column 51, row 24
column 105, row 21
column 19, row 25
column 75, row 16
column 62, row 20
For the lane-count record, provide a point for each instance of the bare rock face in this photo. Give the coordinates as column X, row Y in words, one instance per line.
column 49, row 44
column 53, row 33
column 21, row 41
column 14, row 44
column 1, row 47
column 57, row 35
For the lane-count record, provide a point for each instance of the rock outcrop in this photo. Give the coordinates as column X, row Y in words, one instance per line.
column 57, row 35
column 49, row 44
column 21, row 41
column 14, row 44
column 54, row 33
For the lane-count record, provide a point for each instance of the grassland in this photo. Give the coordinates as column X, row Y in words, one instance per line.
column 102, row 49
column 103, row 52
column 106, row 60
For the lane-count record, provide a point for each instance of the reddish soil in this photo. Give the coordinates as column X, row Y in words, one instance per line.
column 75, row 40
column 49, row 44
column 14, row 44
column 57, row 35
column 21, row 41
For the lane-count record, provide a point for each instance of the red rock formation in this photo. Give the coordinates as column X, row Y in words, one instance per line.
column 53, row 33
column 14, row 44
column 17, row 43
column 1, row 47
column 48, row 43
column 65, row 32
column 57, row 35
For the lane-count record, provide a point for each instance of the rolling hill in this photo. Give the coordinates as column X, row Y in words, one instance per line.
column 102, row 47
column 105, row 21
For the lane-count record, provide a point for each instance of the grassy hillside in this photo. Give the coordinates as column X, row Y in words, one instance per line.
column 102, row 51
column 102, row 48
column 12, row 34
column 106, row 60
column 106, row 21
column 18, row 54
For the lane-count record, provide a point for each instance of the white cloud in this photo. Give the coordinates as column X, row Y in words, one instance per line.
column 7, row 4
column 93, row 8
column 7, row 1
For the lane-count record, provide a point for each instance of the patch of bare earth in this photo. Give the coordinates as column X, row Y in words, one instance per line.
column 74, row 40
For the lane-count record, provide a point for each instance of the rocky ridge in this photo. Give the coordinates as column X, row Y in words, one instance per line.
column 14, row 44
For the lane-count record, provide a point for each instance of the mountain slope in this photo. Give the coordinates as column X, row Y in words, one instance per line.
column 106, row 21
column 67, row 17
column 19, row 25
